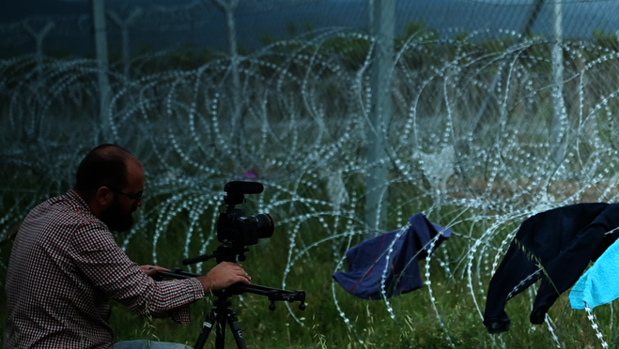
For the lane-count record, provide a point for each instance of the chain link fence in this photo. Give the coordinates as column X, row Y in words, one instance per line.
column 477, row 113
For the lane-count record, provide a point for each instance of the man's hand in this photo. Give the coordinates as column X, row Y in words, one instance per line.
column 152, row 270
column 223, row 275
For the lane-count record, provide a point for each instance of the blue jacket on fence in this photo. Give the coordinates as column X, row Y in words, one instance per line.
column 600, row 284
column 367, row 262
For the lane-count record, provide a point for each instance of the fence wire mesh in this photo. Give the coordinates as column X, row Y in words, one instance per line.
column 495, row 111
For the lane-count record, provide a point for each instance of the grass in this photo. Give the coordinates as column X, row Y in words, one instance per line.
column 456, row 320
column 498, row 182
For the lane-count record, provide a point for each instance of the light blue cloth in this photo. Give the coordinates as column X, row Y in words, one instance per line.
column 600, row 284
column 143, row 344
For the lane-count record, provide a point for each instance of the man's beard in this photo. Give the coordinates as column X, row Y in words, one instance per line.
column 115, row 218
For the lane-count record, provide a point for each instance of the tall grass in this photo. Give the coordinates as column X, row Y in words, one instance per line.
column 304, row 132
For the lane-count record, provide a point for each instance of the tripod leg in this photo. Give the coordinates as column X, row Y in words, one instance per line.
column 207, row 326
column 235, row 327
column 220, row 340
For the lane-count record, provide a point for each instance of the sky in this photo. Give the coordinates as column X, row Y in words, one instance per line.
column 164, row 24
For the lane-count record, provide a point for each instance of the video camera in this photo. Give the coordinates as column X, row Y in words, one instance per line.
column 236, row 229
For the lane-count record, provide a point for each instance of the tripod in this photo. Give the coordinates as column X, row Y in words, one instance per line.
column 235, row 230
column 221, row 313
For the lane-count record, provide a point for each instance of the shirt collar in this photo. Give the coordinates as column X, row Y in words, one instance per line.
column 77, row 200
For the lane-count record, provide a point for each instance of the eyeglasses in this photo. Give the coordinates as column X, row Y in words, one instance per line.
column 137, row 197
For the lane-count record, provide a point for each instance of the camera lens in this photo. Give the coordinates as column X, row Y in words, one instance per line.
column 265, row 225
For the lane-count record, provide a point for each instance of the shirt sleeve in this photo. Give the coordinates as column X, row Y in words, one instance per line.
column 107, row 267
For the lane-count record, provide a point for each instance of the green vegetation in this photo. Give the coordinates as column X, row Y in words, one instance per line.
column 416, row 324
column 304, row 106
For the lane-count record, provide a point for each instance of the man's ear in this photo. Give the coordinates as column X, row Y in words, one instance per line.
column 104, row 196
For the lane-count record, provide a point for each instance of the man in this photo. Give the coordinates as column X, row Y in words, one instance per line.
column 65, row 265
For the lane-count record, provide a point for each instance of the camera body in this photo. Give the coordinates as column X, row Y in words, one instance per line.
column 233, row 226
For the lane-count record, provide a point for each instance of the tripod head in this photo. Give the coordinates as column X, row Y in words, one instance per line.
column 221, row 313
column 273, row 294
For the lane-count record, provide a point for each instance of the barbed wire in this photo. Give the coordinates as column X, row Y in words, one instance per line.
column 304, row 105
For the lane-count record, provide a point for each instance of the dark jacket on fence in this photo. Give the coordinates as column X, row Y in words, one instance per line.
column 562, row 241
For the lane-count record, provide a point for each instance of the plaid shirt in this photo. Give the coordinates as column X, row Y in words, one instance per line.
column 64, row 267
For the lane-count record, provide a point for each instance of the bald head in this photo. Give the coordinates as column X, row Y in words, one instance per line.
column 105, row 165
